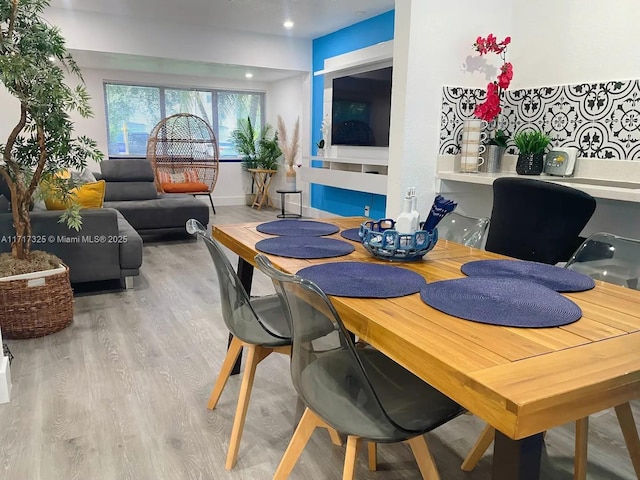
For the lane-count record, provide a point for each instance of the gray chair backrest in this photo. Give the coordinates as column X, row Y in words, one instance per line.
column 610, row 258
column 468, row 231
column 326, row 369
column 237, row 312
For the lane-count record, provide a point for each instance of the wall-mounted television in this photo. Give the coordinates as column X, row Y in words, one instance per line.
column 361, row 109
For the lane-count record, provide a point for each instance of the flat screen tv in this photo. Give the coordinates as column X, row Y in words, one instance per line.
column 361, row 107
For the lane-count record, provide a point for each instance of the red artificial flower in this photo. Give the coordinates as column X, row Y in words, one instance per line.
column 490, row 108
column 506, row 75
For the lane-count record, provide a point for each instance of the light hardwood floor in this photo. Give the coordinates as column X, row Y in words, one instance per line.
column 122, row 393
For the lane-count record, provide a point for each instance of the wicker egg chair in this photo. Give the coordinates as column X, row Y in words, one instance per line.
column 183, row 152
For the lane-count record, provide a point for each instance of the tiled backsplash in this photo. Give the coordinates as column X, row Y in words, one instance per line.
column 601, row 119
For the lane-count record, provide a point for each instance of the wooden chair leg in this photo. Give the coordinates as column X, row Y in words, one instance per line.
column 232, row 355
column 301, row 436
column 582, row 443
column 424, row 459
column 335, row 436
column 372, row 450
column 253, row 357
column 478, row 449
column 630, row 433
column 351, row 455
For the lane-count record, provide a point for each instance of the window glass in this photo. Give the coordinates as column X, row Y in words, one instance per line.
column 231, row 107
column 133, row 111
column 189, row 101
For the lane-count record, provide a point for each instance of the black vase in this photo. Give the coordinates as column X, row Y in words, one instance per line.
column 530, row 164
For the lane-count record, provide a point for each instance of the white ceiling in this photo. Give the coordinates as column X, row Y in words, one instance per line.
column 313, row 18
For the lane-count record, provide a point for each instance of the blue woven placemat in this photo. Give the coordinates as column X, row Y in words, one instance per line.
column 298, row 228
column 352, row 234
column 555, row 278
column 363, row 280
column 502, row 301
column 304, row 247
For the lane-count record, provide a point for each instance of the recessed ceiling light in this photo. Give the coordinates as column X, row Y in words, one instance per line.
column 288, row 24
column 248, row 75
column 360, row 12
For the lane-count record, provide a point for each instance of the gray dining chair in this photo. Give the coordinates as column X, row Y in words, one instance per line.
column 358, row 391
column 612, row 259
column 468, row 231
column 258, row 324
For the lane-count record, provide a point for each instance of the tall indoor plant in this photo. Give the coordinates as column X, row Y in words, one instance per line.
column 33, row 63
column 258, row 147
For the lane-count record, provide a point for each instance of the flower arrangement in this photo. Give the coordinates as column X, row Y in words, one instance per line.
column 490, row 108
column 289, row 149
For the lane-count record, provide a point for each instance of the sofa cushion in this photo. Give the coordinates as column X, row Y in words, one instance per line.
column 127, row 170
column 122, row 191
column 130, row 245
column 167, row 211
column 89, row 195
column 184, row 187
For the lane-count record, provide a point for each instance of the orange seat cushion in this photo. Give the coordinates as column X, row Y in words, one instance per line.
column 184, row 187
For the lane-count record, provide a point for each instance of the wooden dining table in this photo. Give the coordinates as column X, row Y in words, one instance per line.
column 522, row 381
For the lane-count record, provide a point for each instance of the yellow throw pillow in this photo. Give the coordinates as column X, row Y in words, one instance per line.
column 89, row 195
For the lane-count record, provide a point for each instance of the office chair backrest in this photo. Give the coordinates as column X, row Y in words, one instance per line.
column 536, row 220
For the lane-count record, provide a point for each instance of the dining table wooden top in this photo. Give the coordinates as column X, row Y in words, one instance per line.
column 522, row 381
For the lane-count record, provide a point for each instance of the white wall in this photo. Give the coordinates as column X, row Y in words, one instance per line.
column 431, row 43
column 570, row 41
column 291, row 98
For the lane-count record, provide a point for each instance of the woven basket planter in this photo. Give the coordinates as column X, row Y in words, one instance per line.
column 35, row 304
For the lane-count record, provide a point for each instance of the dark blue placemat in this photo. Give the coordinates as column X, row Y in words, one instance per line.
column 555, row 278
column 304, row 247
column 352, row 234
column 363, row 280
column 298, row 228
column 503, row 301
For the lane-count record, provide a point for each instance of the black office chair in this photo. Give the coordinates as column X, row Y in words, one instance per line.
column 536, row 220
column 357, row 391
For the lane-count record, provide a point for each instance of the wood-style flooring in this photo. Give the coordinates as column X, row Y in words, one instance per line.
column 121, row 394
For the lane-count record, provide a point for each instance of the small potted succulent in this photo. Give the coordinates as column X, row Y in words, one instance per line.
column 531, row 146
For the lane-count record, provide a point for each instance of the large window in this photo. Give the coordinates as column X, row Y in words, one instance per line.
column 133, row 111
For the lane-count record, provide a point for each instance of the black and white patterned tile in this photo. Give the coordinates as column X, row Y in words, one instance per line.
column 601, row 119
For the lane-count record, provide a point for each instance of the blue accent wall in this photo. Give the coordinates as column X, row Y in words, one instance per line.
column 364, row 34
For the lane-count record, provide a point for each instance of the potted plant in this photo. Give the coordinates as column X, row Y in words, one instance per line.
column 531, row 146
column 34, row 67
column 259, row 149
column 496, row 146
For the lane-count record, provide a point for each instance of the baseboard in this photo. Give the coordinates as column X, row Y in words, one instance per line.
column 5, row 380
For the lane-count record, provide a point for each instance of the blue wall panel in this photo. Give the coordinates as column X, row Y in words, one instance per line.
column 364, row 34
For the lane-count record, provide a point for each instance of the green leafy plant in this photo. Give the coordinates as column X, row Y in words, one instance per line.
column 531, row 142
column 269, row 153
column 500, row 139
column 34, row 67
column 258, row 146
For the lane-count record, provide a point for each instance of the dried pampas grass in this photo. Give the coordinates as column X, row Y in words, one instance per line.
column 289, row 149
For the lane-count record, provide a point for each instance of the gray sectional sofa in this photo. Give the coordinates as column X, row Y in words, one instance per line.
column 109, row 245
column 131, row 190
